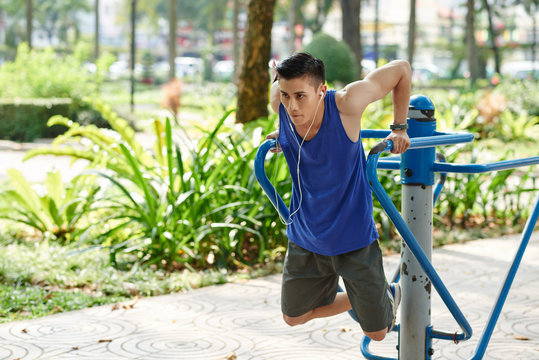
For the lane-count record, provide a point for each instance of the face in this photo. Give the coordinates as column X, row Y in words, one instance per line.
column 301, row 98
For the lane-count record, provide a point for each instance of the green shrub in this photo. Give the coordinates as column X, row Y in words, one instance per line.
column 26, row 119
column 337, row 57
column 43, row 74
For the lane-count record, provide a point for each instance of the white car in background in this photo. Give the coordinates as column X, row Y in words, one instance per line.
column 188, row 66
column 521, row 69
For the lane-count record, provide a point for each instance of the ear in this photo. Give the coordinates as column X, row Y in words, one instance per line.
column 323, row 89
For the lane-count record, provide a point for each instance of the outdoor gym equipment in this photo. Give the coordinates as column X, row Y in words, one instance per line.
column 417, row 167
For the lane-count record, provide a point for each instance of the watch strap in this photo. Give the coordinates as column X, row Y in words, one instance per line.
column 398, row 126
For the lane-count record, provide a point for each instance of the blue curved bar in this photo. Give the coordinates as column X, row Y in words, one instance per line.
column 367, row 353
column 496, row 310
column 266, row 185
column 481, row 168
column 441, row 181
column 415, row 248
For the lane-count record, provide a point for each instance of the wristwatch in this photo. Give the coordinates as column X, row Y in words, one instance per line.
column 398, row 126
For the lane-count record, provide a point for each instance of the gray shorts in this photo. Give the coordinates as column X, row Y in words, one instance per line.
column 310, row 281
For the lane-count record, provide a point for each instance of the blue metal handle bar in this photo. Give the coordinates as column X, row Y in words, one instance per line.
column 266, row 185
column 481, row 168
column 425, row 141
column 415, row 248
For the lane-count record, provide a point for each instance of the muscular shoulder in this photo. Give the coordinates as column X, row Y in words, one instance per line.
column 350, row 110
column 349, row 100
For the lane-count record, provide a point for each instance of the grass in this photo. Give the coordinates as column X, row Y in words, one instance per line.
column 43, row 278
column 19, row 302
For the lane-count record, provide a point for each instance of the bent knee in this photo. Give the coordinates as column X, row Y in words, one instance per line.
column 294, row 320
column 376, row 335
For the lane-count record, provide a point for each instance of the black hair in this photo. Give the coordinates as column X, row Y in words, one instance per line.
column 300, row 64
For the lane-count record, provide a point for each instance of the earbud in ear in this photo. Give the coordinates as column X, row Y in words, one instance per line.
column 321, row 93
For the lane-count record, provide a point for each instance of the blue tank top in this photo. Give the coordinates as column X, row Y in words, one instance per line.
column 335, row 215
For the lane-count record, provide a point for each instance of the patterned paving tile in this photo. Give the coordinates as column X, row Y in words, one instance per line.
column 244, row 319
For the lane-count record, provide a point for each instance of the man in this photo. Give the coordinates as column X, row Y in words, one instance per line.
column 331, row 228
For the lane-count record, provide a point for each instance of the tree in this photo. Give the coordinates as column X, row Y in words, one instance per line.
column 531, row 9
column 351, row 30
column 236, row 39
column 132, row 53
column 317, row 22
column 29, row 19
column 57, row 18
column 376, row 30
column 294, row 18
column 96, row 31
column 253, row 81
column 411, row 32
column 492, row 36
column 172, row 39
column 470, row 41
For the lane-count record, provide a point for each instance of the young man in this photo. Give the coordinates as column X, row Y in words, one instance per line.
column 331, row 228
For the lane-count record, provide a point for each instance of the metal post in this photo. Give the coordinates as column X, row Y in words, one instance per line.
column 417, row 199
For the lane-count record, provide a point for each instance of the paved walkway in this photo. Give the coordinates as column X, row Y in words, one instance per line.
column 242, row 320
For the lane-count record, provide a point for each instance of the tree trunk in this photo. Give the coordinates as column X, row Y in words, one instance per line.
column 172, row 39
column 254, row 76
column 29, row 12
column 470, row 42
column 96, row 40
column 132, row 53
column 376, row 31
column 411, row 32
column 351, row 30
column 293, row 20
column 492, row 37
column 236, row 40
column 534, row 38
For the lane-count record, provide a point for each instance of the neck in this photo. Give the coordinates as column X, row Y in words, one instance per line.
column 309, row 129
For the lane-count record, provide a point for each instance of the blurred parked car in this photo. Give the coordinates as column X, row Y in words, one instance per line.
column 120, row 70
column 423, row 73
column 223, row 70
column 188, row 66
column 523, row 70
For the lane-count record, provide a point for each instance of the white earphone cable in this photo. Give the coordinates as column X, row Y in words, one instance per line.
column 297, row 167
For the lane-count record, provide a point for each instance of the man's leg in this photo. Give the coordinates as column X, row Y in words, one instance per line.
column 340, row 305
column 371, row 298
column 309, row 287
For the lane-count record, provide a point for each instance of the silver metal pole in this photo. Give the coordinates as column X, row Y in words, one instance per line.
column 416, row 287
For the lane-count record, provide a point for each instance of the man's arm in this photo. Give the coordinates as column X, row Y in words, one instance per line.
column 393, row 77
column 275, row 96
column 275, row 101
